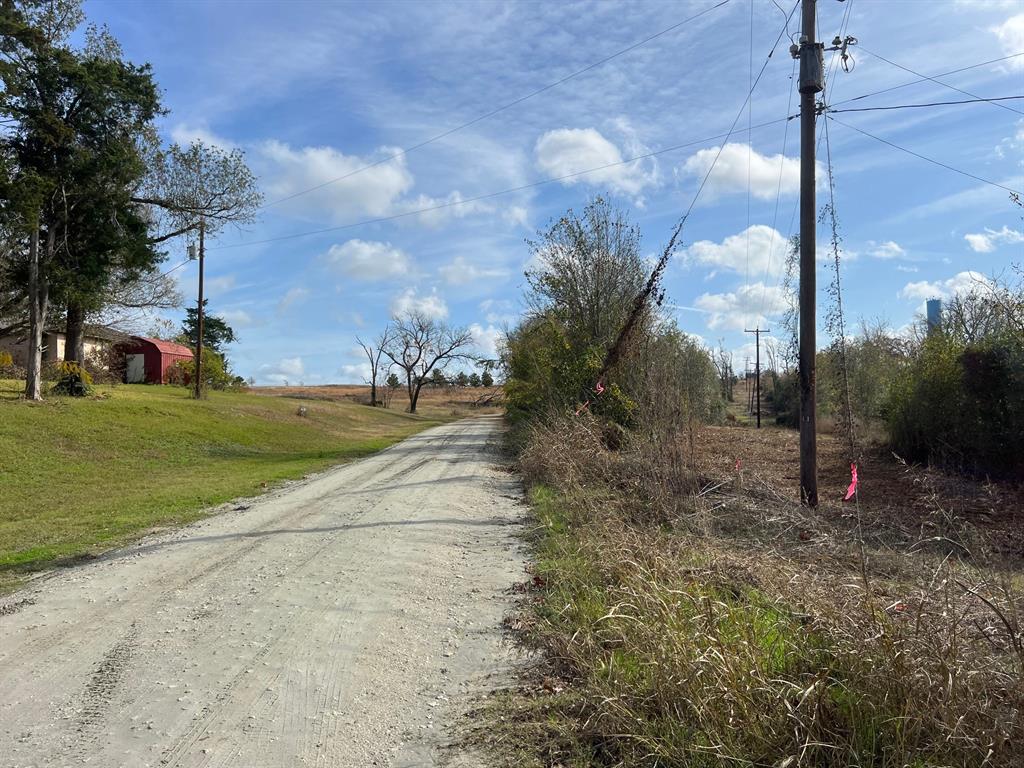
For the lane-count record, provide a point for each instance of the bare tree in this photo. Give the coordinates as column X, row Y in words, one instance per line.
column 379, row 367
column 419, row 344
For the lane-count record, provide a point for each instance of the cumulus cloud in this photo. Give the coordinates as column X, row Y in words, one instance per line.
column 486, row 340
column 757, row 250
column 731, row 172
column 990, row 239
column 186, row 134
column 368, row 260
column 293, row 295
column 498, row 311
column 1011, row 37
column 355, row 373
column 746, row 307
column 961, row 283
column 567, row 151
column 371, row 192
column 887, row 250
column 462, row 272
column 430, row 305
column 287, row 369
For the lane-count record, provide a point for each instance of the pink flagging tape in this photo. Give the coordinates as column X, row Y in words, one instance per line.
column 853, row 482
column 582, row 408
column 599, row 387
column 739, row 465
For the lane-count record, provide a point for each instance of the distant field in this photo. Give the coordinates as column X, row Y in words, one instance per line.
column 433, row 400
column 81, row 475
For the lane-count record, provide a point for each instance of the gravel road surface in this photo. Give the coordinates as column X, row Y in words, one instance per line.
column 346, row 620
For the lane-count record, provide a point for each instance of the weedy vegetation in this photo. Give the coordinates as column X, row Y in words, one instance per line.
column 685, row 613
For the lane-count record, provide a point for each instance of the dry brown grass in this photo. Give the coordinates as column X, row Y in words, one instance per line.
column 712, row 620
column 440, row 401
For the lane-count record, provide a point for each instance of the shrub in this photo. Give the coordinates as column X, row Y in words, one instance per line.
column 70, row 379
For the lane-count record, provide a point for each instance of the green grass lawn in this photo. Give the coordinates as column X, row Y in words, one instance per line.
column 78, row 476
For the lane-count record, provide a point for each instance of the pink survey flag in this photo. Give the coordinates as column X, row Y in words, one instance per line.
column 599, row 388
column 853, row 482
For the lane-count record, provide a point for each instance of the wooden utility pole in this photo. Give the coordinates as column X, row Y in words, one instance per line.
column 811, row 82
column 198, row 368
column 757, row 366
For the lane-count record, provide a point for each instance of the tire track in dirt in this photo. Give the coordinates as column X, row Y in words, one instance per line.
column 306, row 629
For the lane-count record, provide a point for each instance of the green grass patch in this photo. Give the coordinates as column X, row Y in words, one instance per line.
column 80, row 475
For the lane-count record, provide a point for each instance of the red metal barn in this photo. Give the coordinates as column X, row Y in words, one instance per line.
column 148, row 361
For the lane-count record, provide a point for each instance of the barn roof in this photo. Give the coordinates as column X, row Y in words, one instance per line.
column 167, row 347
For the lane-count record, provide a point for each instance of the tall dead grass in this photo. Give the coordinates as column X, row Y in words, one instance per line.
column 685, row 622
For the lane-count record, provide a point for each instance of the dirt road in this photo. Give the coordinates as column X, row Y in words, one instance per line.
column 343, row 621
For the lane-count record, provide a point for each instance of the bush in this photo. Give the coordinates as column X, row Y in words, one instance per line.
column 71, row 379
column 961, row 406
column 215, row 374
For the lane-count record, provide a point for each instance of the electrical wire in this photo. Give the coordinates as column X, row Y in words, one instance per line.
column 750, row 143
column 502, row 108
column 979, row 100
column 918, row 155
column 925, row 78
column 778, row 196
column 939, row 82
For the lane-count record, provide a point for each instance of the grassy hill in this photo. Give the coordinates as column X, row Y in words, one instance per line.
column 81, row 475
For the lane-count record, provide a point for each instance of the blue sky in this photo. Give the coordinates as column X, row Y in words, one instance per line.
column 314, row 90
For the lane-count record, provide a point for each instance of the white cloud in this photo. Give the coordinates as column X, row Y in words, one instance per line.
column 962, row 282
column 566, row 151
column 748, row 306
column 435, row 211
column 1013, row 145
column 486, row 340
column 431, row 305
column 355, row 373
column 1011, row 37
column 462, row 272
column 515, row 214
column 287, row 369
column 731, row 171
column 236, row 318
column 293, row 295
column 186, row 134
column 368, row 260
column 887, row 250
column 221, row 284
column 499, row 312
column 987, row 241
column 370, row 192
column 906, row 268
column 758, row 250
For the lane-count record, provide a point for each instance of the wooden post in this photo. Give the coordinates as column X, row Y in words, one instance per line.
column 198, row 367
column 810, row 83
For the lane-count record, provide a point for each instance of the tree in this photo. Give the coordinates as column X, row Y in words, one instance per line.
column 216, row 331
column 67, row 154
column 462, row 380
column 202, row 187
column 437, row 378
column 486, row 379
column 378, row 364
column 474, row 379
column 419, row 344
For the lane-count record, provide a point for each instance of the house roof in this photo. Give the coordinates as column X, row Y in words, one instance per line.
column 167, row 347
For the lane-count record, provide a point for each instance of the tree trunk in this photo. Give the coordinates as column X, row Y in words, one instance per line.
column 414, row 397
column 37, row 299
column 74, row 336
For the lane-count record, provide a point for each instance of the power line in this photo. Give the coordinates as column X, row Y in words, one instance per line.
column 978, row 100
column 510, row 190
column 939, row 82
column 925, row 78
column 918, row 155
column 502, row 108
